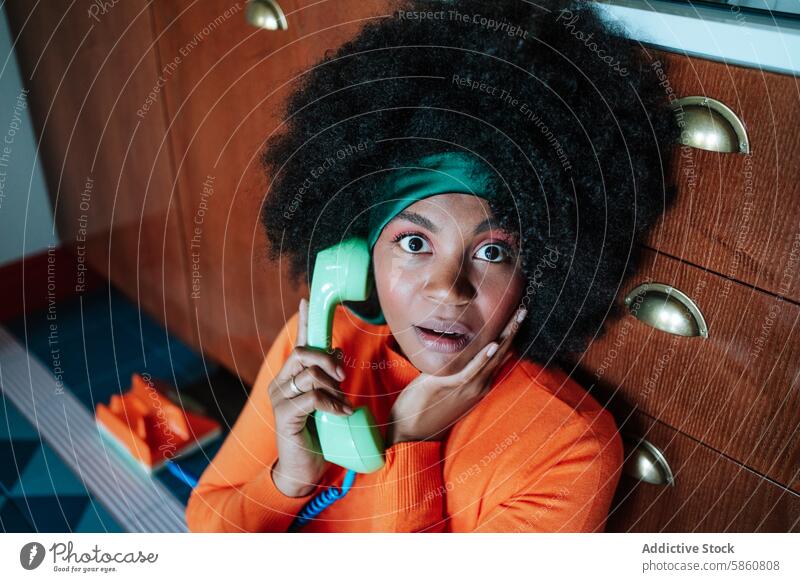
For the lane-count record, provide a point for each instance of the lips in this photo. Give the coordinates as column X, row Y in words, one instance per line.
column 445, row 336
column 444, row 326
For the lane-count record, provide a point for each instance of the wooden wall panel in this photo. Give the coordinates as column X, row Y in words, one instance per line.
column 224, row 99
column 107, row 168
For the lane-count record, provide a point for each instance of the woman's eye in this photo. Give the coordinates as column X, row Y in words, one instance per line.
column 413, row 243
column 493, row 253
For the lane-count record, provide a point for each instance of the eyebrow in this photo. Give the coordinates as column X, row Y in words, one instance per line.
column 425, row 223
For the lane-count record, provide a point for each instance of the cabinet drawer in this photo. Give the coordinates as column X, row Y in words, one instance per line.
column 736, row 214
column 710, row 493
column 736, row 390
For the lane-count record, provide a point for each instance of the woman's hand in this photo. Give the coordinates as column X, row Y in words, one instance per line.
column 308, row 381
column 429, row 405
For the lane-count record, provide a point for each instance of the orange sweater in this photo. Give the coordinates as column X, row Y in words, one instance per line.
column 536, row 454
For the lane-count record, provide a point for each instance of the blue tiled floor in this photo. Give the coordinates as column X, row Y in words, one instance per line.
column 103, row 339
column 38, row 491
column 103, row 334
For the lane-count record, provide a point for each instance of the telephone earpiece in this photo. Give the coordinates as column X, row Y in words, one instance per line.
column 342, row 273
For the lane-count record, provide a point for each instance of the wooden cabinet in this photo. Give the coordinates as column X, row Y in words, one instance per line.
column 153, row 116
column 726, row 408
column 737, row 215
column 712, row 493
column 735, row 390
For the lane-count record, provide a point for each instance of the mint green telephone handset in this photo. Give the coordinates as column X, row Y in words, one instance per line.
column 342, row 273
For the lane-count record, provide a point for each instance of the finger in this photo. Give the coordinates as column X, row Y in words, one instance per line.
column 513, row 325
column 296, row 402
column 486, row 361
column 480, row 361
column 507, row 338
column 299, row 408
column 302, row 324
column 305, row 357
column 309, row 379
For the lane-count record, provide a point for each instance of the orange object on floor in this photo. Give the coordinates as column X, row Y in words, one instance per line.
column 151, row 426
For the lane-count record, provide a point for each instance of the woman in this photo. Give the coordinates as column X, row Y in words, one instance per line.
column 502, row 159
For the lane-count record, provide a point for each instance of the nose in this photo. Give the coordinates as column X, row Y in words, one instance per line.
column 448, row 283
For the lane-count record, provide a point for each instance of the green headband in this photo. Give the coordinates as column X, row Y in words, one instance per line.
column 441, row 173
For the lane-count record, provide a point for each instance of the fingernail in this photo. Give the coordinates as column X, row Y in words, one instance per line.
column 340, row 372
column 492, row 351
column 521, row 315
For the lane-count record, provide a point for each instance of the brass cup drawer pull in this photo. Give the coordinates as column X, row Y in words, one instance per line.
column 708, row 124
column 667, row 309
column 266, row 14
column 645, row 462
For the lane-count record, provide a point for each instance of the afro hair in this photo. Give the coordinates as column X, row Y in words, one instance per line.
column 567, row 113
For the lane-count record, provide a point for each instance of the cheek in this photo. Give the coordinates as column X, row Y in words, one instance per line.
column 497, row 301
column 394, row 282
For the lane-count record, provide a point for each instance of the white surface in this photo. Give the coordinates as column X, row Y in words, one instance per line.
column 722, row 33
column 417, row 557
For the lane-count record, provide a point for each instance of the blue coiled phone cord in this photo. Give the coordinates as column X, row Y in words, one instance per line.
column 326, row 498
column 178, row 471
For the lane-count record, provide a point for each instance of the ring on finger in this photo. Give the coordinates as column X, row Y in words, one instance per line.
column 296, row 388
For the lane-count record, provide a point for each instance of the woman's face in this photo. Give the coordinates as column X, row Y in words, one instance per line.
column 442, row 265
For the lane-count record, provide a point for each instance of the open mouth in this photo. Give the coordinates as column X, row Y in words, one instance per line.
column 442, row 341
